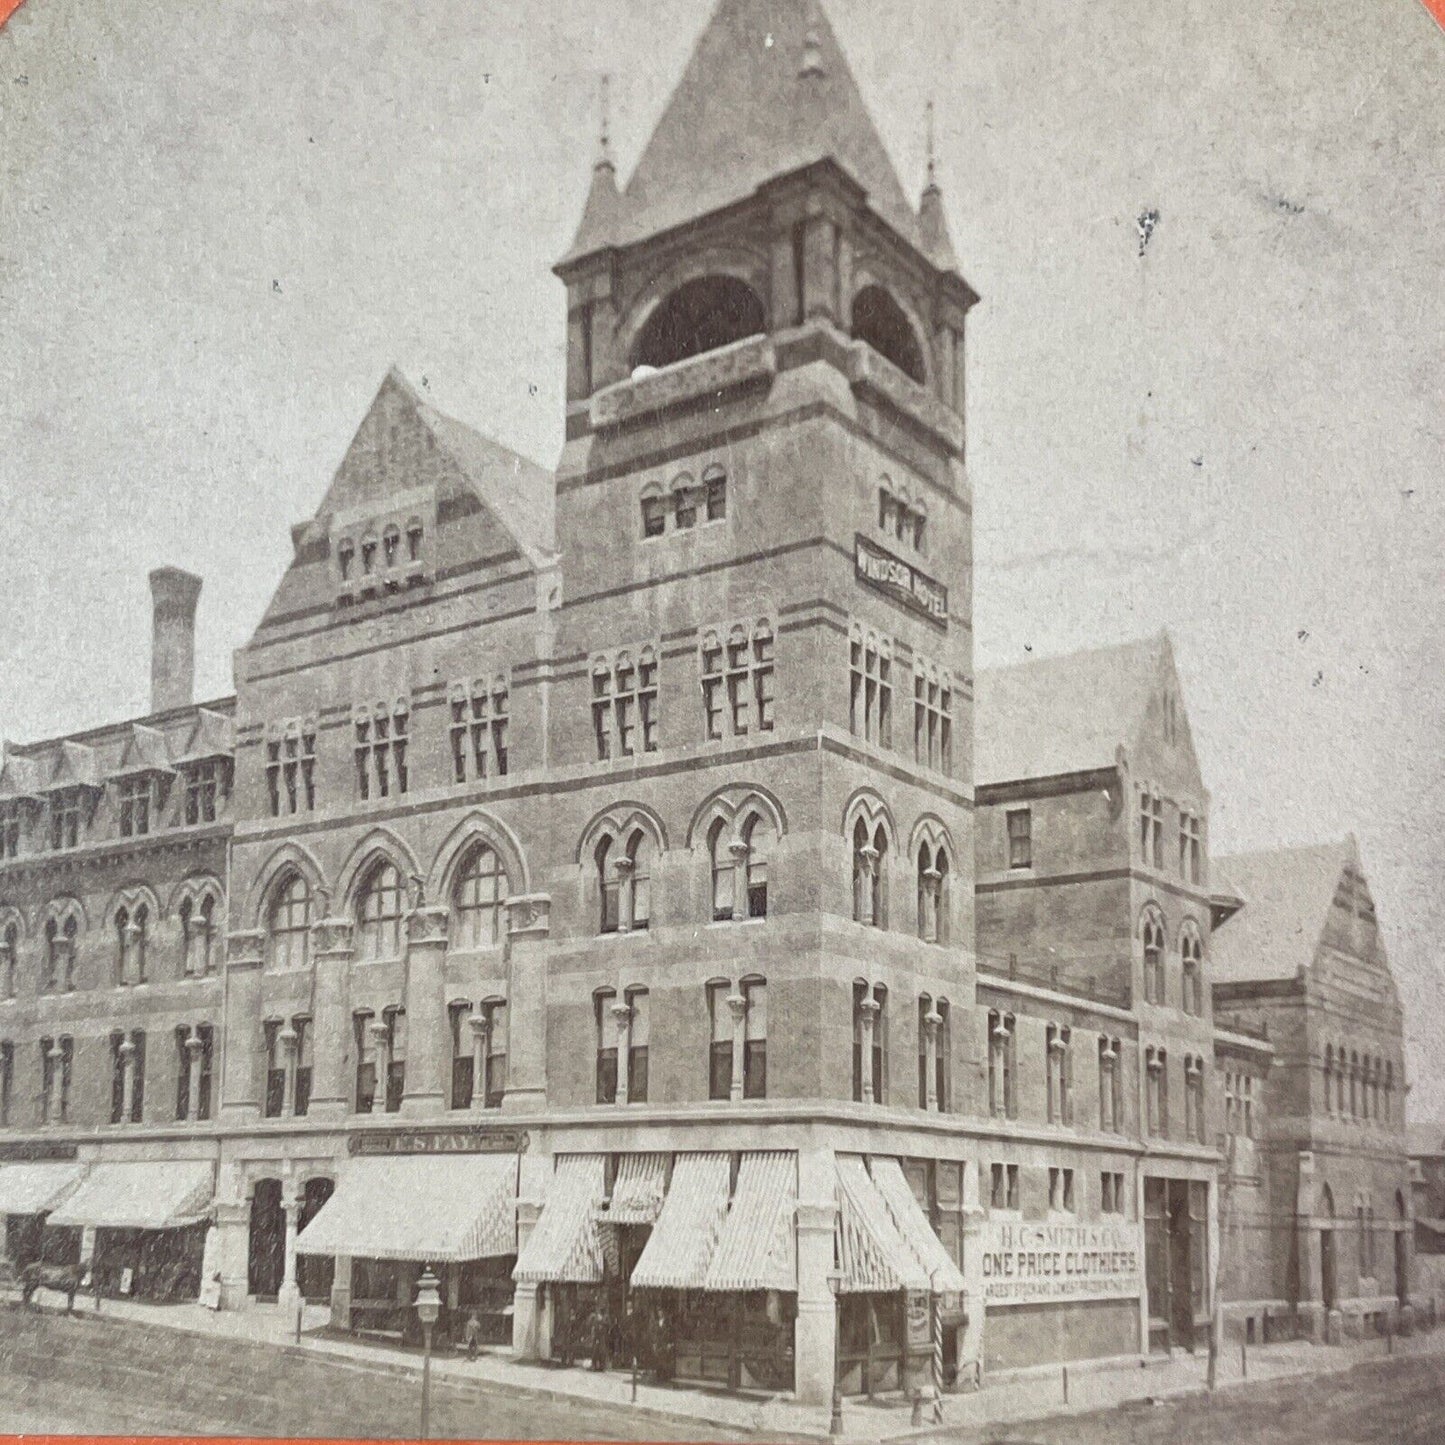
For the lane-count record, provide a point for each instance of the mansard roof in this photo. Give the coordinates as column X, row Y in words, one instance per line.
column 1068, row 714
column 1287, row 894
column 766, row 91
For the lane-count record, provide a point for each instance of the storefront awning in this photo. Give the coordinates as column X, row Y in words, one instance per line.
column 156, row 1194
column 756, row 1249
column 677, row 1254
column 638, row 1190
column 871, row 1253
column 564, row 1246
column 912, row 1223
column 34, row 1188
column 436, row 1208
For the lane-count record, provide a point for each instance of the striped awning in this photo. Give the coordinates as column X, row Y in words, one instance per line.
column 156, row 1194
column 912, row 1223
column 34, row 1188
column 638, row 1191
column 564, row 1245
column 756, row 1248
column 871, row 1253
column 437, row 1208
column 677, row 1254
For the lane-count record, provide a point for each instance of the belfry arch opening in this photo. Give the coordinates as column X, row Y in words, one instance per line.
column 879, row 320
column 701, row 315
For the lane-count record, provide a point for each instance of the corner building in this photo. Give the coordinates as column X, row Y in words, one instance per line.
column 578, row 895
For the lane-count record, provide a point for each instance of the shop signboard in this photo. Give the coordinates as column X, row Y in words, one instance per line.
column 900, row 580
column 1049, row 1261
column 475, row 1140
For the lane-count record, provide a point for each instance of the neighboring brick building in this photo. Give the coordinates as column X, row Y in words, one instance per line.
column 585, row 903
column 1298, row 953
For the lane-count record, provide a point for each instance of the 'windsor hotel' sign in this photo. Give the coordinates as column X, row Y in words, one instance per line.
column 1039, row 1263
column 899, row 580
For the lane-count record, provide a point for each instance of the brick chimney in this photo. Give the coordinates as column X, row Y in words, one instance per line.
column 173, row 637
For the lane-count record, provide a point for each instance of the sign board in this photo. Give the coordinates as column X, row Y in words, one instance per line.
column 1036, row 1263
column 475, row 1140
column 920, row 1320
column 900, row 580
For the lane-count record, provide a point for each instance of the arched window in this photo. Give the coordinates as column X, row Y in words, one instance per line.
column 640, row 859
column 701, row 315
column 345, row 556
column 197, row 933
column 1191, row 953
column 288, row 928
column 391, row 544
column 130, row 940
column 870, row 859
column 478, row 899
column 413, row 539
column 1153, row 958
column 721, row 865
column 759, row 837
column 379, row 914
column 607, row 885
column 1329, row 1078
column 368, row 555
column 12, row 942
column 715, row 493
column 879, row 320
column 880, row 878
column 932, row 894
column 870, row 1042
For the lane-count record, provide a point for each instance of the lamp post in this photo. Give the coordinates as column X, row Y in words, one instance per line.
column 428, row 1307
column 835, row 1288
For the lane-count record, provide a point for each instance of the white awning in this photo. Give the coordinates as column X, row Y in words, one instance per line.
column 638, row 1190
column 943, row 1274
column 156, row 1194
column 564, row 1245
column 871, row 1252
column 34, row 1188
column 436, row 1208
column 756, row 1248
column 677, row 1253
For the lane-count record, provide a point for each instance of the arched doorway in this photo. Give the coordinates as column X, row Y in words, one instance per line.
column 1328, row 1288
column 266, row 1256
column 701, row 315
column 314, row 1272
column 1402, row 1249
column 879, row 320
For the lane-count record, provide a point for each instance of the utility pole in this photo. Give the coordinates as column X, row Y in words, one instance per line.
column 1216, row 1319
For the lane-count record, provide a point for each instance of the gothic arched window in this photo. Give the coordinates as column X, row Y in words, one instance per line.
column 478, row 899
column 288, row 927
column 379, row 913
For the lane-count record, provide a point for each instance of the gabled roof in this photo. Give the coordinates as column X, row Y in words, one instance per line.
column 1065, row 714
column 766, row 91
column 146, row 751
column 1287, row 894
column 76, row 764
column 213, row 736
column 20, row 777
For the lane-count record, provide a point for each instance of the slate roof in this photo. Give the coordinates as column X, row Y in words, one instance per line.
column 1062, row 714
column 745, row 112
column 1287, row 894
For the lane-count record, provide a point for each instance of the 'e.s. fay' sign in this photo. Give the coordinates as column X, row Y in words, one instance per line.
column 1036, row 1263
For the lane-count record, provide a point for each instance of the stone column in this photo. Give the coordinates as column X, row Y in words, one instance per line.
column 56, row 1083
column 868, row 1010
column 241, row 1088
column 815, row 1330
column 331, row 951
column 381, row 1053
column 194, row 1049
column 738, row 1006
column 622, row 1017
column 626, row 898
column 290, row 1042
column 289, row 1295
column 739, row 851
column 932, row 901
column 932, row 1022
column 233, row 1222
column 868, row 857
column 970, row 1345
column 127, row 1078
column 341, row 1293
column 131, row 958
column 481, row 1027
column 426, row 1012
column 1307, row 1244
column 528, row 923
column 528, row 1326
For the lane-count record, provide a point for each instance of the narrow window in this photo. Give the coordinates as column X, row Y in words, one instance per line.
column 715, row 485
column 755, row 1038
column 365, row 1042
column 721, row 863
column 380, row 914
column 720, row 1045
column 654, row 515
column 712, row 686
column 478, row 900
column 1020, row 838
column 647, row 698
column 638, row 1030
column 602, row 1002
column 684, row 504
column 607, row 885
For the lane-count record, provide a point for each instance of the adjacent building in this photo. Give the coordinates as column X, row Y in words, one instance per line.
column 613, row 889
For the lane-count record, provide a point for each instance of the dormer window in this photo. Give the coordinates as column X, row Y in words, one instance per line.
column 345, row 556
column 413, row 539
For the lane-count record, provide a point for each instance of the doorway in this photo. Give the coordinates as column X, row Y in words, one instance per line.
column 266, row 1255
column 314, row 1272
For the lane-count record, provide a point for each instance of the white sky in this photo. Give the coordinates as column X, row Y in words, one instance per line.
column 220, row 222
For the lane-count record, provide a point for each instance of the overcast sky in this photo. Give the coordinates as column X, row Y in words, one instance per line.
column 220, row 222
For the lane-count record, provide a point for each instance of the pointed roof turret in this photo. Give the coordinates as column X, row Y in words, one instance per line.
column 602, row 215
column 932, row 223
column 766, row 91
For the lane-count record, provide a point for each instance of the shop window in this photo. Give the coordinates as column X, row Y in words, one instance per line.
column 379, row 914
column 1153, row 930
column 606, row 1033
column 870, row 705
column 479, row 729
column 933, row 897
column 1020, row 838
column 1002, row 1065
column 479, row 900
column 1058, row 1064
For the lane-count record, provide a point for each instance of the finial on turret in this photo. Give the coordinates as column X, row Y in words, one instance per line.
column 932, row 182
column 812, row 48
column 604, row 139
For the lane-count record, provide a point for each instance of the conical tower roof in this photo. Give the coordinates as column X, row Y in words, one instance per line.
column 767, row 91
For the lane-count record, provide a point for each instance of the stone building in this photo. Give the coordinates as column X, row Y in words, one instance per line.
column 591, row 891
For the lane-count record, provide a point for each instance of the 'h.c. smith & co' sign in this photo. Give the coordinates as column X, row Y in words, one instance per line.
column 1036, row 1263
column 899, row 580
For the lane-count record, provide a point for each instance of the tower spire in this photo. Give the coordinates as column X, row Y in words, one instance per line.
column 604, row 138
column 602, row 215
column 932, row 182
column 932, row 224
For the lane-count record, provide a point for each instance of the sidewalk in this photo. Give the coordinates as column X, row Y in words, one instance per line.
column 1005, row 1398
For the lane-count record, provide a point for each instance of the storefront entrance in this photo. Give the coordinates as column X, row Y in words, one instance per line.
column 266, row 1259
column 1176, row 1231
